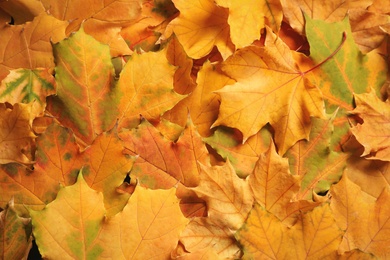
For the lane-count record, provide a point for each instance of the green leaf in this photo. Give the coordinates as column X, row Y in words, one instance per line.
column 86, row 101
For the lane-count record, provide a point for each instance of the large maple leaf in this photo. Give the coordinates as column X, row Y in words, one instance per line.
column 271, row 89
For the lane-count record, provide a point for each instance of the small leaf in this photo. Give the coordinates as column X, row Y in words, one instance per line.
column 15, row 234
column 16, row 135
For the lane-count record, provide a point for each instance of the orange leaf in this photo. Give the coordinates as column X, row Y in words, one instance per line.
column 15, row 133
column 22, row 11
column 270, row 88
column 200, row 26
column 29, row 45
column 148, row 227
column 162, row 163
column 228, row 197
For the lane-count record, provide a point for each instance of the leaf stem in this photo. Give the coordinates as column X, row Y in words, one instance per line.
column 330, row 56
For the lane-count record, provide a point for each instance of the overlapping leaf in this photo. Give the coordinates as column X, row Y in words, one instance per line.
column 16, row 135
column 15, row 233
column 86, row 101
column 270, row 88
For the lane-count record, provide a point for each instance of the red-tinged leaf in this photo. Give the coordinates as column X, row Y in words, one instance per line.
column 29, row 45
column 15, row 234
column 228, row 197
column 203, row 233
column 106, row 167
column 57, row 155
column 313, row 160
column 200, row 26
column 68, row 227
column 16, row 135
column 28, row 188
column 374, row 132
column 242, row 156
column 146, row 85
column 86, row 101
column 272, row 184
column 162, row 163
column 147, row 228
column 271, row 89
column 25, row 86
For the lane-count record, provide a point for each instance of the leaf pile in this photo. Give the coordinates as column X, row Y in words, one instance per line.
column 175, row 129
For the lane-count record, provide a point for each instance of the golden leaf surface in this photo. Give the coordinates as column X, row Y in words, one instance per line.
column 271, row 89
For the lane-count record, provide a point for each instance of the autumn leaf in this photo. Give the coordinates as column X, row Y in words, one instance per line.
column 15, row 232
column 106, row 166
column 225, row 194
column 204, row 233
column 244, row 28
column 25, row 86
column 202, row 104
column 270, row 88
column 272, row 184
column 29, row 45
column 146, row 88
column 151, row 220
column 86, row 100
column 200, row 26
column 330, row 11
column 22, row 11
column 15, row 133
column 68, row 227
column 314, row 161
column 162, row 163
column 373, row 132
column 263, row 236
column 100, row 19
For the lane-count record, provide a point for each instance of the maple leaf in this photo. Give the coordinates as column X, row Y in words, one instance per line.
column 364, row 218
column 15, row 133
column 202, row 104
column 146, row 88
column 25, row 86
column 68, row 227
column 331, row 11
column 100, row 18
column 270, row 88
column 225, row 194
column 161, row 163
column 151, row 220
column 314, row 161
column 200, row 26
column 15, row 233
column 242, row 156
column 373, row 132
column 204, row 233
column 86, row 100
column 244, row 28
column 348, row 72
column 29, row 45
column 264, row 236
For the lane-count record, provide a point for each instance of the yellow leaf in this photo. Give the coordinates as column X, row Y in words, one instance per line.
column 147, row 228
column 228, row 197
column 200, row 26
